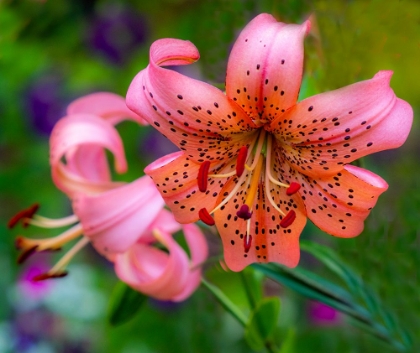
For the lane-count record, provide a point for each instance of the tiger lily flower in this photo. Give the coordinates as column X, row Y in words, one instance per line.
column 121, row 220
column 253, row 160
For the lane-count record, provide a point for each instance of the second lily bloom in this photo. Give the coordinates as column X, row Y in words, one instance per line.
column 123, row 221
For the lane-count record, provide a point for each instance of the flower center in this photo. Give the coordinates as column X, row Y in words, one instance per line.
column 30, row 246
column 257, row 161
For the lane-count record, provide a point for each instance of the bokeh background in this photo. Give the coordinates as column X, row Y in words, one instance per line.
column 52, row 51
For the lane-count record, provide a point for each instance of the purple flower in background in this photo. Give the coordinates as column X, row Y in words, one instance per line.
column 321, row 314
column 44, row 102
column 32, row 289
column 116, row 33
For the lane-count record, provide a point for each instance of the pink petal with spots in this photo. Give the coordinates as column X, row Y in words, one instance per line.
column 153, row 271
column 270, row 242
column 199, row 252
column 81, row 139
column 339, row 204
column 326, row 131
column 116, row 219
column 265, row 67
column 194, row 115
column 108, row 106
column 175, row 176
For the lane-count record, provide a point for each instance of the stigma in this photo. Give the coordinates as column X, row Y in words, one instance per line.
column 253, row 173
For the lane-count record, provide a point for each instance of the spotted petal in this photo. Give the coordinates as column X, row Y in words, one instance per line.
column 81, row 139
column 175, row 175
column 194, row 115
column 270, row 242
column 326, row 131
column 108, row 106
column 265, row 67
column 339, row 204
column 153, row 271
column 116, row 219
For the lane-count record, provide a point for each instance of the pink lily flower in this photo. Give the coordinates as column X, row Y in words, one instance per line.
column 253, row 160
column 121, row 220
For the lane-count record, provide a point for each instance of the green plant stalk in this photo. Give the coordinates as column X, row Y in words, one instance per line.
column 253, row 305
column 225, row 302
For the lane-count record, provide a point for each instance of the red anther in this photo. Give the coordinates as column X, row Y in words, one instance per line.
column 288, row 219
column 26, row 253
column 203, row 173
column 240, row 162
column 247, row 242
column 293, row 188
column 26, row 213
column 206, row 217
column 44, row 276
column 244, row 212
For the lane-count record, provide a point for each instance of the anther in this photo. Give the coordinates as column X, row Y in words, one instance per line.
column 244, row 212
column 240, row 162
column 205, row 217
column 288, row 219
column 293, row 188
column 22, row 215
column 247, row 242
column 26, row 253
column 44, row 276
column 202, row 177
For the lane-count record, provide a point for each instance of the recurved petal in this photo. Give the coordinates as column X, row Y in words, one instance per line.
column 199, row 251
column 81, row 139
column 116, row 219
column 175, row 176
column 194, row 115
column 152, row 271
column 339, row 204
column 270, row 242
column 265, row 67
column 326, row 131
column 108, row 106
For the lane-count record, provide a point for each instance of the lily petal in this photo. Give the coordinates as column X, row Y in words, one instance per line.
column 265, row 67
column 116, row 219
column 199, row 252
column 165, row 222
column 81, row 140
column 339, row 204
column 108, row 106
column 153, row 271
column 326, row 131
column 194, row 115
column 175, row 175
column 270, row 242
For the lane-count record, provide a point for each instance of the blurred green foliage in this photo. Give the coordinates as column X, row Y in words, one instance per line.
column 350, row 41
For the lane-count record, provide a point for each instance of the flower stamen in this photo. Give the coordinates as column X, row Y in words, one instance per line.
column 241, row 160
column 23, row 215
column 58, row 270
column 288, row 219
column 202, row 177
column 30, row 246
column 205, row 217
column 247, row 242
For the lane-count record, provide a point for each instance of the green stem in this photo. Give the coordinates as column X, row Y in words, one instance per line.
column 225, row 302
column 253, row 305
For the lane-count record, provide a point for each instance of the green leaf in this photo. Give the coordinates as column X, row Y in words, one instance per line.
column 262, row 323
column 125, row 302
column 332, row 261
